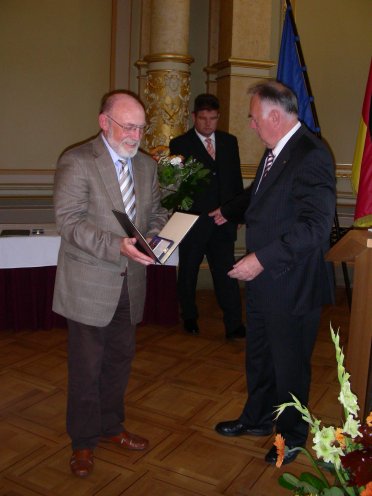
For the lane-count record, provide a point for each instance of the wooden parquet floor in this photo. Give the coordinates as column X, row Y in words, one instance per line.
column 180, row 387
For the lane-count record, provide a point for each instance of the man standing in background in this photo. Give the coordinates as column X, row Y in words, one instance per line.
column 101, row 276
column 289, row 212
column 219, row 152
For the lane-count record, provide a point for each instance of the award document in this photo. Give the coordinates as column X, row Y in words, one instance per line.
column 161, row 246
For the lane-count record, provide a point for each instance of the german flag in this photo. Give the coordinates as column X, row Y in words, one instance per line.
column 361, row 176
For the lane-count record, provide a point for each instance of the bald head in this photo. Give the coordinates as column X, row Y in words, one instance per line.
column 111, row 98
column 122, row 120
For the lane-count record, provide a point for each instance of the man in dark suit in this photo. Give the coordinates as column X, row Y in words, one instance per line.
column 219, row 152
column 101, row 277
column 288, row 211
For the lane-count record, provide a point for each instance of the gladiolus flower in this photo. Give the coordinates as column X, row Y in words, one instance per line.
column 351, row 427
column 340, row 438
column 368, row 490
column 348, row 448
column 369, row 420
column 348, row 399
column 365, row 438
column 359, row 463
column 279, row 443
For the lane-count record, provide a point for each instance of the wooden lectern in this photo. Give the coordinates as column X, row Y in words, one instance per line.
column 356, row 247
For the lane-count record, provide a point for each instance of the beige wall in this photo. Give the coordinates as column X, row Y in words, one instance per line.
column 55, row 59
column 336, row 38
column 198, row 46
column 55, row 66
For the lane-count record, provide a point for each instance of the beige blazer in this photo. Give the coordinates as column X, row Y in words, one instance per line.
column 90, row 268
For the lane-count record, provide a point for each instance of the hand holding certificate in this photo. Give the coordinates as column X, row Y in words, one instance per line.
column 161, row 246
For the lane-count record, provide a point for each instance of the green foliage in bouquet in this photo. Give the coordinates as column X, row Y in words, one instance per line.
column 345, row 451
column 179, row 180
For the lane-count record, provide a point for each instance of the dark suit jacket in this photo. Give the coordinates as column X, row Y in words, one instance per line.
column 225, row 179
column 288, row 225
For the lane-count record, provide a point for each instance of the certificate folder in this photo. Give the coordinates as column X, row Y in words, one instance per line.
column 161, row 246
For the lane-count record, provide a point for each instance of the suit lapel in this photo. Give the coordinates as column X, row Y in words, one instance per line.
column 255, row 195
column 220, row 144
column 107, row 170
column 279, row 165
column 275, row 171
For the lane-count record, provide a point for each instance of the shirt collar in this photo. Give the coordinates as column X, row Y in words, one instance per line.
column 115, row 156
column 203, row 138
column 283, row 141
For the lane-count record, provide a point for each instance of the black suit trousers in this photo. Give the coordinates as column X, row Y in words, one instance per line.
column 210, row 240
column 99, row 362
column 278, row 362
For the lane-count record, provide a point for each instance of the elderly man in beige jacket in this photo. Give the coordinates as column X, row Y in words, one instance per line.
column 101, row 276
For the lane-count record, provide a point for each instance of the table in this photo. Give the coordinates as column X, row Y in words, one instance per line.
column 27, row 274
column 35, row 250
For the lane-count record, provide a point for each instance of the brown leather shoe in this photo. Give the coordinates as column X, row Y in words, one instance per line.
column 127, row 440
column 82, row 462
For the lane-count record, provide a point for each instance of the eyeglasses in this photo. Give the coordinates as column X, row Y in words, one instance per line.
column 129, row 128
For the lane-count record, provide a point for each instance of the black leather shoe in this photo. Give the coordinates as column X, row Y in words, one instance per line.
column 271, row 456
column 191, row 326
column 236, row 428
column 238, row 333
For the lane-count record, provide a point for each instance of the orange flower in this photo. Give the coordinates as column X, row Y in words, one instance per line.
column 279, row 443
column 340, row 438
column 368, row 490
column 369, row 420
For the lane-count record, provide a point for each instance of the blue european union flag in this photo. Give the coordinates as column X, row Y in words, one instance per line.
column 291, row 73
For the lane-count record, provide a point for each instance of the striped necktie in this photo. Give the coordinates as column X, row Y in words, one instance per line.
column 210, row 147
column 127, row 189
column 268, row 163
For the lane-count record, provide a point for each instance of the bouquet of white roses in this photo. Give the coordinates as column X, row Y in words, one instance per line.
column 179, row 180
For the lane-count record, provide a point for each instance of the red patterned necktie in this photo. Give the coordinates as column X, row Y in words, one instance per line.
column 127, row 189
column 210, row 147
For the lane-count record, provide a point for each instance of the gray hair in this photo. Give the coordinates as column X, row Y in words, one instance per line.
column 277, row 94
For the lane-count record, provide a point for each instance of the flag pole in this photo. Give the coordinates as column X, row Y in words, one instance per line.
column 304, row 68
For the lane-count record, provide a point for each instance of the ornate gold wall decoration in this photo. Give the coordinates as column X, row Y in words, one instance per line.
column 167, row 95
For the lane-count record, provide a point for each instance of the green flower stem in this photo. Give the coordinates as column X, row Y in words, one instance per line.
column 346, row 412
column 349, row 490
column 169, row 189
column 314, row 464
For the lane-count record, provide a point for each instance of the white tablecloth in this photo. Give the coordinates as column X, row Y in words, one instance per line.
column 35, row 250
column 18, row 252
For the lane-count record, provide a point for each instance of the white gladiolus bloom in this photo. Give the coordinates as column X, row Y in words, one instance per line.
column 351, row 427
column 348, row 399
